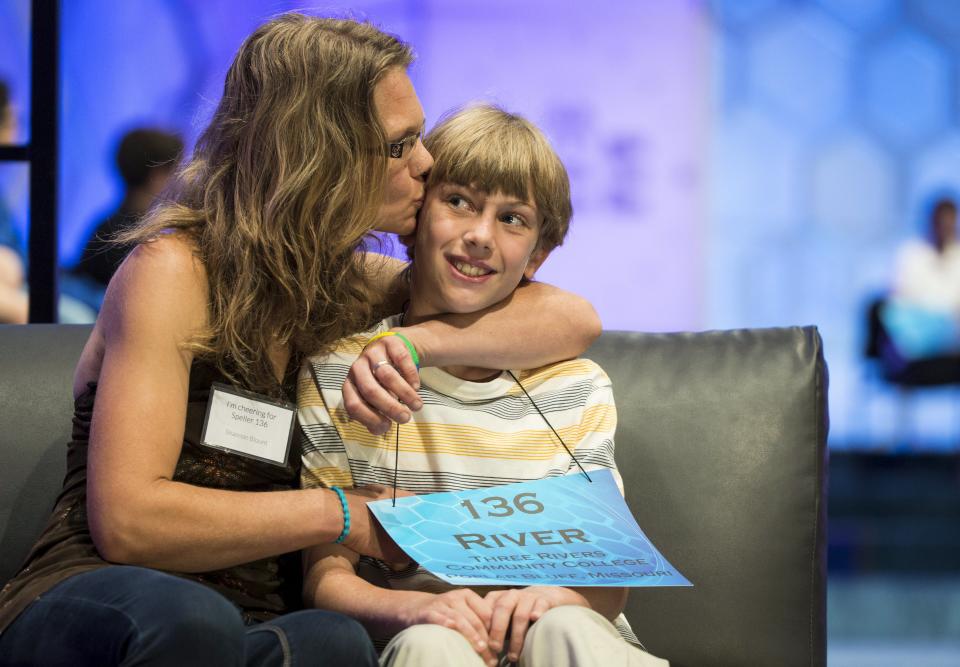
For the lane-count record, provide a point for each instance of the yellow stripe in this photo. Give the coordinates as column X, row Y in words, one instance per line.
column 308, row 396
column 311, row 477
column 477, row 442
column 537, row 376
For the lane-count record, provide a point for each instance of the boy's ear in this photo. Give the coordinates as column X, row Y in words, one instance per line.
column 538, row 257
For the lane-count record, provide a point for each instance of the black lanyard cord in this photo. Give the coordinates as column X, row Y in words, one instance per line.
column 396, row 455
column 396, row 464
column 547, row 421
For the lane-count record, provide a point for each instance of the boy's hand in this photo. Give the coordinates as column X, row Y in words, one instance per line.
column 382, row 385
column 517, row 608
column 461, row 610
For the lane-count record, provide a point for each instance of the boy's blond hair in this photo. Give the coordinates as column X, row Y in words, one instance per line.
column 484, row 147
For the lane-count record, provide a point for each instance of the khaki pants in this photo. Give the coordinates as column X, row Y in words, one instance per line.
column 565, row 636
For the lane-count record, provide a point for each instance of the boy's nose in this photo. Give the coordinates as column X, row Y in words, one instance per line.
column 479, row 234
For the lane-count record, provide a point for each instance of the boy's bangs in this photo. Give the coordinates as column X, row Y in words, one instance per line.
column 490, row 164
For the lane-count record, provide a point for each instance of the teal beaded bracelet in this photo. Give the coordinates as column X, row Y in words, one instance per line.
column 346, row 514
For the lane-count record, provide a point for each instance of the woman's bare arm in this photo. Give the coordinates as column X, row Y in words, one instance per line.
column 138, row 514
column 536, row 325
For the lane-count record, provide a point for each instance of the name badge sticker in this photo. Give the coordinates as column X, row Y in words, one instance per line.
column 561, row 531
column 248, row 424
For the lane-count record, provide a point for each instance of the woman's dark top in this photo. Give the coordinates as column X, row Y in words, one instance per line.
column 262, row 589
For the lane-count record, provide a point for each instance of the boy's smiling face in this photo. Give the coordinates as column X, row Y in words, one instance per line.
column 472, row 249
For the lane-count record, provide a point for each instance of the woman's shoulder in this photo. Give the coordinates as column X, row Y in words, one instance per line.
column 170, row 261
column 172, row 255
column 161, row 279
column 157, row 294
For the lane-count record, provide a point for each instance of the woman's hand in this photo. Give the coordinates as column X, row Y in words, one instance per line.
column 382, row 385
column 517, row 608
column 461, row 610
column 367, row 536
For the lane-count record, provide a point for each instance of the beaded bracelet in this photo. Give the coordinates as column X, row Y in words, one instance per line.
column 346, row 514
column 406, row 341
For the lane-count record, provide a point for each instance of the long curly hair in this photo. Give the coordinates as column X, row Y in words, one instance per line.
column 282, row 189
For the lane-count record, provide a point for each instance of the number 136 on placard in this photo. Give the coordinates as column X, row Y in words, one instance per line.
column 498, row 506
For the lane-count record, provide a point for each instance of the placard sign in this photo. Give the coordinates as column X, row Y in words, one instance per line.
column 561, row 531
column 248, row 424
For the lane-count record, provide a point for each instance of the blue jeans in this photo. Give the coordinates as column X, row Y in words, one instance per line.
column 123, row 615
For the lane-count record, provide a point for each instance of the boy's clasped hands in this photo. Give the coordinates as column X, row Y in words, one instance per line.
column 493, row 623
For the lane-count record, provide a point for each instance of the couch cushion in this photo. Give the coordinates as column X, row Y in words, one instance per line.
column 36, row 379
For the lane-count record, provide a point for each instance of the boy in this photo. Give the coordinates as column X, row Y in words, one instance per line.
column 498, row 202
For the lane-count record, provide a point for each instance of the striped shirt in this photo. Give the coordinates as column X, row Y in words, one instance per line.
column 468, row 435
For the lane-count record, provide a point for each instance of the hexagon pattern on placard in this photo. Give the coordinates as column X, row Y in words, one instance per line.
column 424, row 532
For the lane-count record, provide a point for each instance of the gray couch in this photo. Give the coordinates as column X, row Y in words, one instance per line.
column 721, row 443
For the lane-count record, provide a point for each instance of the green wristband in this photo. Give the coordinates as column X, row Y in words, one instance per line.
column 410, row 347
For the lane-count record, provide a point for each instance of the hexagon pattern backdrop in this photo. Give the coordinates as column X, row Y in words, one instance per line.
column 834, row 124
column 734, row 162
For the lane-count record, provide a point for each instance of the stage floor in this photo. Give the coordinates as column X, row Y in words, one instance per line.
column 893, row 592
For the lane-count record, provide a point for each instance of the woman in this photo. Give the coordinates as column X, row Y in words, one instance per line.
column 251, row 264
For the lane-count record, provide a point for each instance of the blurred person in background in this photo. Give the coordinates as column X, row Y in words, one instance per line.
column 923, row 314
column 13, row 300
column 146, row 159
column 8, row 119
column 928, row 270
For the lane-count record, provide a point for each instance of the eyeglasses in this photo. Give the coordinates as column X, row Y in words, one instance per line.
column 398, row 148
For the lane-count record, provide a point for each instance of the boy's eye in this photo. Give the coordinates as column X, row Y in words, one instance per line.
column 458, row 201
column 513, row 219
